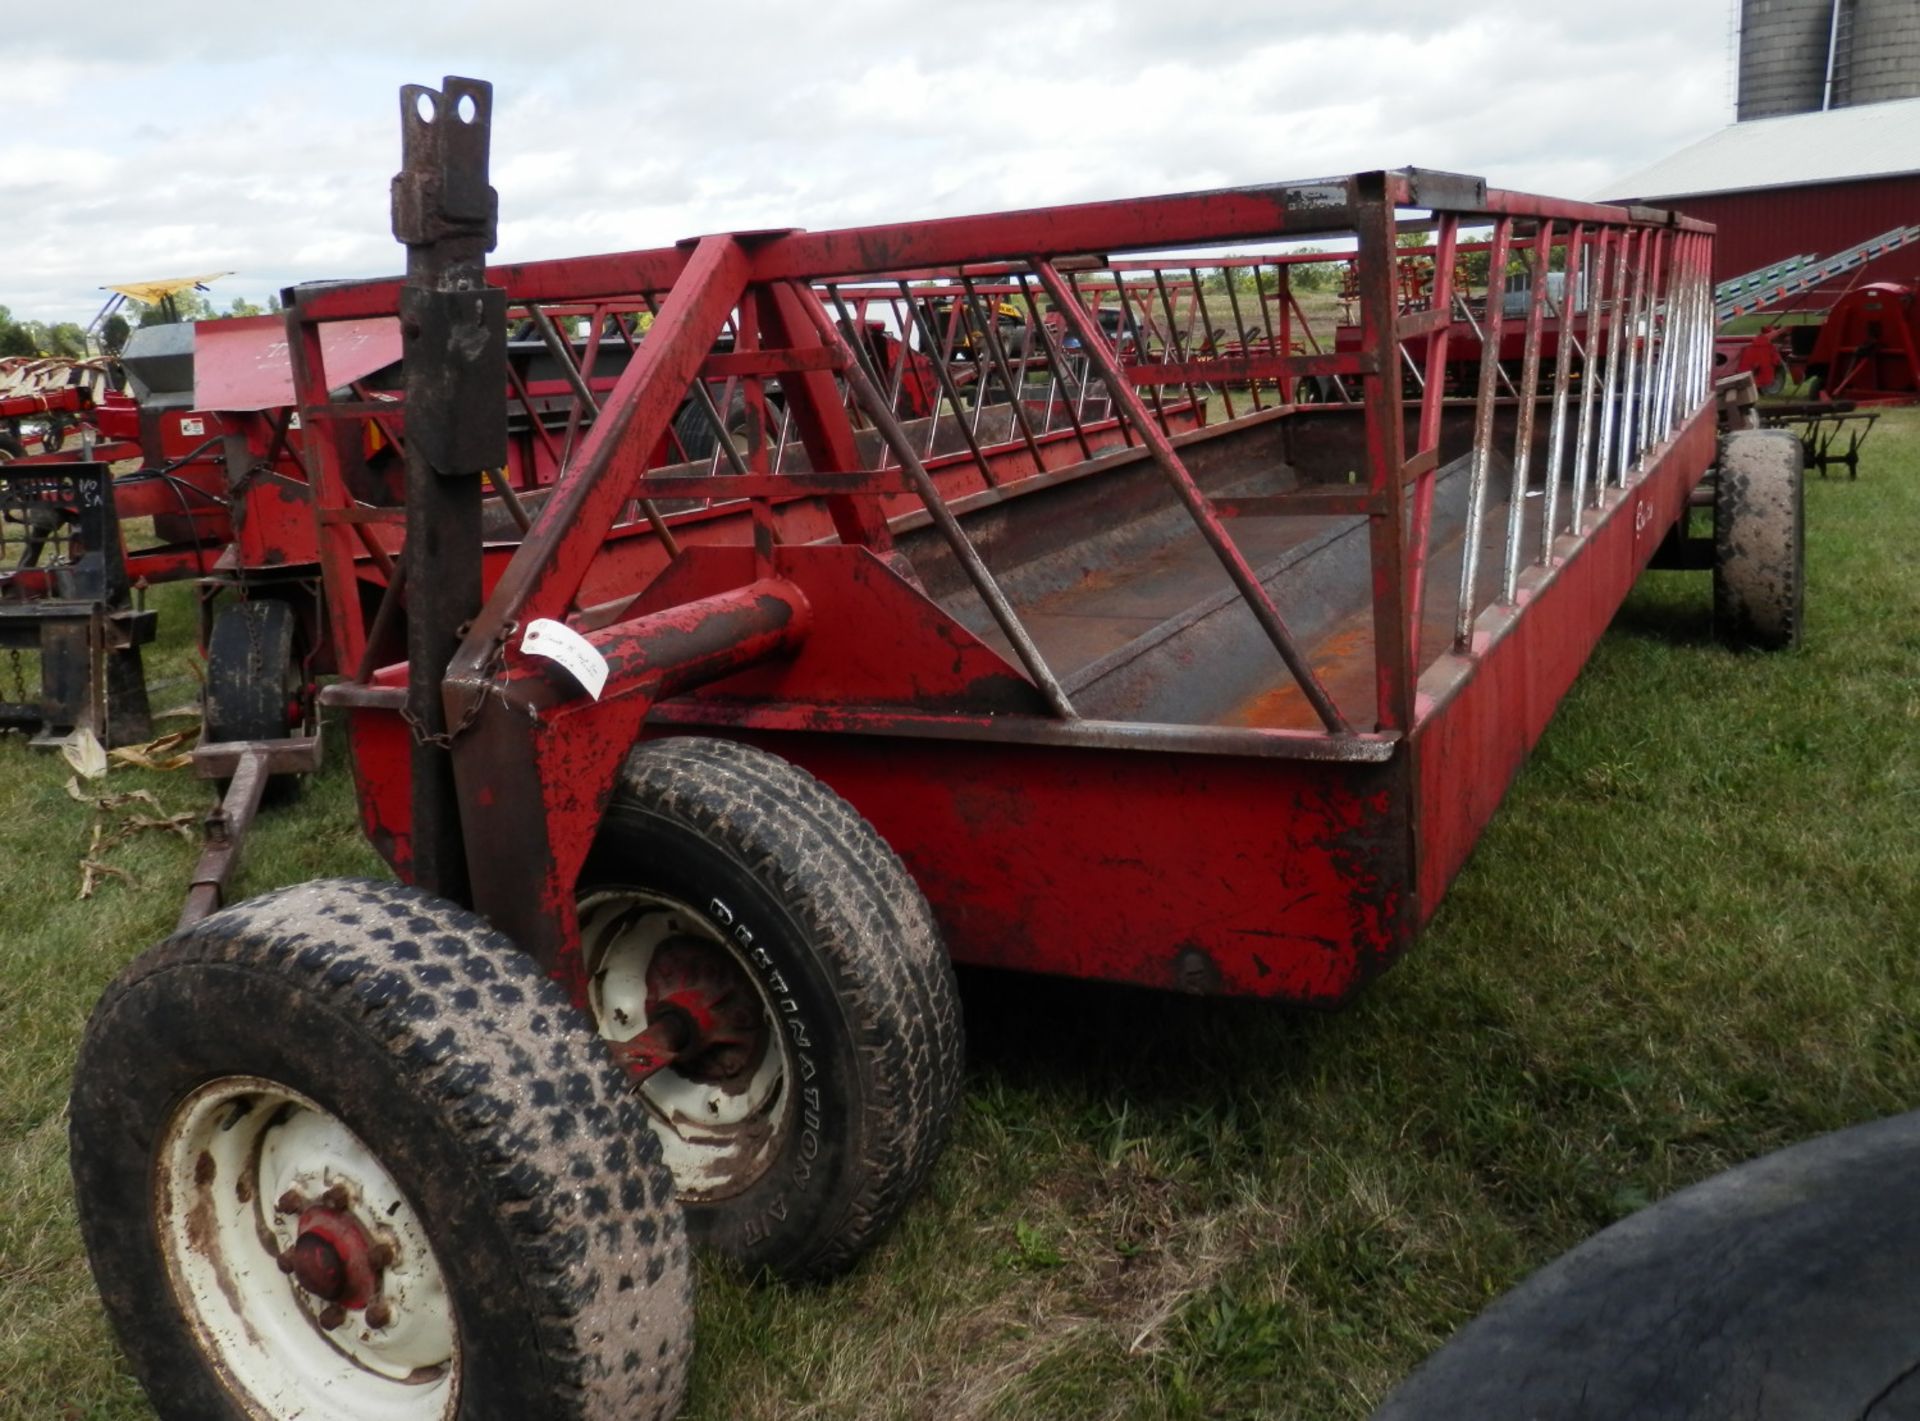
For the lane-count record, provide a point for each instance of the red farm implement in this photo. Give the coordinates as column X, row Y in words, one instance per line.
column 1009, row 617
column 51, row 395
column 1860, row 343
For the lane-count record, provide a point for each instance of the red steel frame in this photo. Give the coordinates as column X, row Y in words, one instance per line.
column 1265, row 860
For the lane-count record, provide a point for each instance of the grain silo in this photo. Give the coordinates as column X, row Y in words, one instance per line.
column 1798, row 56
column 1801, row 56
column 1877, row 54
column 1783, row 56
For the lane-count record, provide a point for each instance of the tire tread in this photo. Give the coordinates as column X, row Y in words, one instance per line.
column 829, row 868
column 478, row 1031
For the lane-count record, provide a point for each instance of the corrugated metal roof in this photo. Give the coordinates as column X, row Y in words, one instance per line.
column 1864, row 141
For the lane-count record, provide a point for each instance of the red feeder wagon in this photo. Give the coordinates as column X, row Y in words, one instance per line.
column 1084, row 679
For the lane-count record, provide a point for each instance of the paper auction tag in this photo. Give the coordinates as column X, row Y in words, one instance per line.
column 566, row 648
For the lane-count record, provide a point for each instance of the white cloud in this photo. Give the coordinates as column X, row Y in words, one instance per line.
column 228, row 133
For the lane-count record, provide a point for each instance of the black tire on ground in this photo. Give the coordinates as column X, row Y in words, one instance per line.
column 1759, row 539
column 11, row 448
column 387, row 1058
column 824, row 1130
column 252, row 678
column 1785, row 1288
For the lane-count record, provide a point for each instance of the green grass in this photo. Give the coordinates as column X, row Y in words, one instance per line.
column 1689, row 938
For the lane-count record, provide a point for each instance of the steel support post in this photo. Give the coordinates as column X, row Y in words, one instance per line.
column 454, row 331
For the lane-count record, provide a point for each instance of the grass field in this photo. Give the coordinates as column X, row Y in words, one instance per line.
column 1690, row 937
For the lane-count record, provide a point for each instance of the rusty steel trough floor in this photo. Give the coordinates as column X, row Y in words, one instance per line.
column 1148, row 628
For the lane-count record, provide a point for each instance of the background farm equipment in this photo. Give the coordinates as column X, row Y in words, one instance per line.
column 81, row 632
column 1861, row 344
column 1831, row 432
column 42, row 398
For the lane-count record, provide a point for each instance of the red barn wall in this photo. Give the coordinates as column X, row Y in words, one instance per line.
column 1761, row 227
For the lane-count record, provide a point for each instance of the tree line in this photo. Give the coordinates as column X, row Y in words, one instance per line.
column 68, row 339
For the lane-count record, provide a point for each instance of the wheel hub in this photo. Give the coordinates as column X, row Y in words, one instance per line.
column 317, row 1267
column 335, row 1258
column 689, row 1020
column 299, row 1263
column 704, row 1017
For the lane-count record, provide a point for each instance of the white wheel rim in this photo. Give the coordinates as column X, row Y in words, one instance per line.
column 229, row 1157
column 715, row 1139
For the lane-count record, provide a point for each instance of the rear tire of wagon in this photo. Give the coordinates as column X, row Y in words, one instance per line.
column 1759, row 539
column 794, row 1152
column 344, row 1151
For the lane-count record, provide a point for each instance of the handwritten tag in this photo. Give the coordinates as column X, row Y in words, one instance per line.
column 567, row 649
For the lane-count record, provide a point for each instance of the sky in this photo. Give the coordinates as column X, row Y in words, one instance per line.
column 149, row 140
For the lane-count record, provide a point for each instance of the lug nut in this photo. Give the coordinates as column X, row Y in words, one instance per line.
column 284, row 1261
column 332, row 1315
column 336, row 1197
column 292, row 1202
column 380, row 1256
column 378, row 1313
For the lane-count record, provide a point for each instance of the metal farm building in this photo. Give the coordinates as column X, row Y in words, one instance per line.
column 1827, row 149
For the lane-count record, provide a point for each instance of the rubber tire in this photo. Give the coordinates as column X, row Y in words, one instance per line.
column 482, row 1091
column 1759, row 539
column 11, row 448
column 838, row 918
column 1783, row 1288
column 695, row 430
column 250, row 672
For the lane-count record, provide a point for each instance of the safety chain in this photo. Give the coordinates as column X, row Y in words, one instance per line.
column 256, row 654
column 490, row 668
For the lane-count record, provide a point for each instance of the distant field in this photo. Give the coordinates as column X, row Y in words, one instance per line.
column 1690, row 937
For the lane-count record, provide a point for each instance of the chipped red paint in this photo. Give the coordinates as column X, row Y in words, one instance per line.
column 1139, row 866
column 536, row 741
column 846, row 619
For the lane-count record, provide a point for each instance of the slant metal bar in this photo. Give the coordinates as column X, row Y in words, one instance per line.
column 563, row 357
column 1094, row 342
column 1590, row 365
column 1618, row 328
column 1057, row 361
column 874, row 402
column 1627, row 451
column 1562, row 373
column 1529, row 408
column 1432, row 393
column 1016, row 389
column 942, row 374
column 1480, row 465
column 552, row 561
